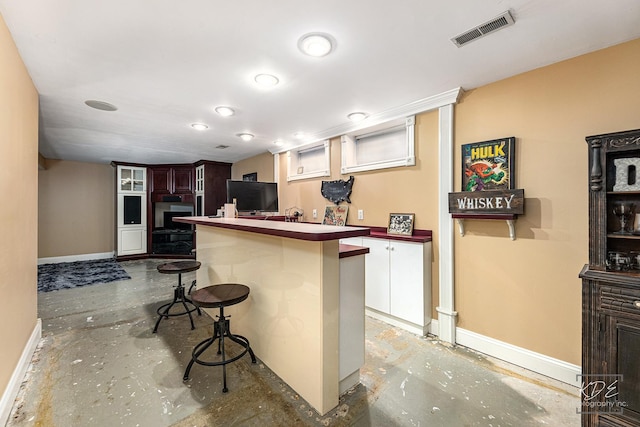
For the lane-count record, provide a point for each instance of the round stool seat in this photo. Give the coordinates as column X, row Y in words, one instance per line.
column 178, row 267
column 220, row 295
column 179, row 297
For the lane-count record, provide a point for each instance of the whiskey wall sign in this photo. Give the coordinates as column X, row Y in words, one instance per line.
column 487, row 202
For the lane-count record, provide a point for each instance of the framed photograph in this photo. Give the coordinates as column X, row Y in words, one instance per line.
column 335, row 215
column 488, row 165
column 250, row 176
column 401, row 223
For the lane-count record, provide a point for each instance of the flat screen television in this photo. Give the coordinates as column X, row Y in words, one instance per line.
column 253, row 196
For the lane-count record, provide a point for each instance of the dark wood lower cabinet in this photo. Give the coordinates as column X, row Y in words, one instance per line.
column 611, row 349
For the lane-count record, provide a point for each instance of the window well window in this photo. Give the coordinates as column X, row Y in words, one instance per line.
column 386, row 146
column 308, row 161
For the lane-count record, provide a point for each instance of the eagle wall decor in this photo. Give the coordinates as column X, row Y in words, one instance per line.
column 338, row 190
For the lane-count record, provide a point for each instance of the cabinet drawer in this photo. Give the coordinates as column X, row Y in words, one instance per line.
column 620, row 300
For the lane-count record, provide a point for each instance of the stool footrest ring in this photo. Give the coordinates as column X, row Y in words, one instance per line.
column 208, row 342
column 220, row 332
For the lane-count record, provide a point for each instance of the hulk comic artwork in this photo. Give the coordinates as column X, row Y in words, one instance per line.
column 487, row 165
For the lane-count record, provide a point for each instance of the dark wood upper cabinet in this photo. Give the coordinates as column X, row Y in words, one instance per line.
column 161, row 181
column 611, row 284
column 183, row 179
column 172, row 180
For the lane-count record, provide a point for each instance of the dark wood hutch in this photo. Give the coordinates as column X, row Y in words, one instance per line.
column 610, row 394
column 176, row 190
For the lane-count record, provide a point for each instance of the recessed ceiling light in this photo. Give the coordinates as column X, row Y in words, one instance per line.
column 266, row 80
column 225, row 111
column 299, row 135
column 101, row 105
column 199, row 126
column 356, row 117
column 278, row 142
column 315, row 44
column 245, row 136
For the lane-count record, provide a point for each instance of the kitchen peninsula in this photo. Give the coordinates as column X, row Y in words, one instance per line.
column 305, row 313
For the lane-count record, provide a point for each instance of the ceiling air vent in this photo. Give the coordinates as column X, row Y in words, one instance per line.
column 222, row 147
column 501, row 21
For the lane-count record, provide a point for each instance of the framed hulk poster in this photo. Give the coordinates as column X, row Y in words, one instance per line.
column 488, row 165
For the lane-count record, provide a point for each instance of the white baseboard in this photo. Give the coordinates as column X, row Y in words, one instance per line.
column 400, row 323
column 544, row 365
column 537, row 362
column 349, row 381
column 73, row 258
column 434, row 327
column 11, row 392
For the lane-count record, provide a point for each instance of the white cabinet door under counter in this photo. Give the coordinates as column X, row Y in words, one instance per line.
column 398, row 278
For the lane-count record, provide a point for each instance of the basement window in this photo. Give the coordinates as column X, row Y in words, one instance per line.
column 309, row 161
column 387, row 146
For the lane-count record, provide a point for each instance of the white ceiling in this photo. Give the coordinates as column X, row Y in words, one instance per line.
column 167, row 64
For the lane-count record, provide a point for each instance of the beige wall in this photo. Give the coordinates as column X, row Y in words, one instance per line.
column 378, row 193
column 524, row 292
column 19, row 213
column 76, row 204
column 76, row 209
column 262, row 164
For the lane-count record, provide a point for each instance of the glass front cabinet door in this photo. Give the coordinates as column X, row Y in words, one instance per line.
column 131, row 210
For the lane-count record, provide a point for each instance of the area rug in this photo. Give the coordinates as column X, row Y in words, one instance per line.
column 65, row 275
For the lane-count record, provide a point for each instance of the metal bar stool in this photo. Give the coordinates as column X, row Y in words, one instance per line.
column 178, row 267
column 220, row 296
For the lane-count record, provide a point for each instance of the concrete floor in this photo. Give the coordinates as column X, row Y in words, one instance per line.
column 99, row 365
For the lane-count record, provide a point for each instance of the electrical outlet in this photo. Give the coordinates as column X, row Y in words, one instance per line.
column 360, row 214
column 315, row 213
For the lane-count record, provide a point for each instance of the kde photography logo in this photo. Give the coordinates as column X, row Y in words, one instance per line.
column 599, row 393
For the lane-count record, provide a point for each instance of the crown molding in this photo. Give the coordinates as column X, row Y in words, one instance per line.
column 426, row 104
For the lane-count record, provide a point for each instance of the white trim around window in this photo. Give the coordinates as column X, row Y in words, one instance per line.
column 387, row 146
column 309, row 161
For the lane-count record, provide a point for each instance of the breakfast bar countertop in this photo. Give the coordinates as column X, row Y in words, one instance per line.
column 293, row 230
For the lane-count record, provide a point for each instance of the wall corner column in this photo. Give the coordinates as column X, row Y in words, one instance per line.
column 446, row 310
column 276, row 168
